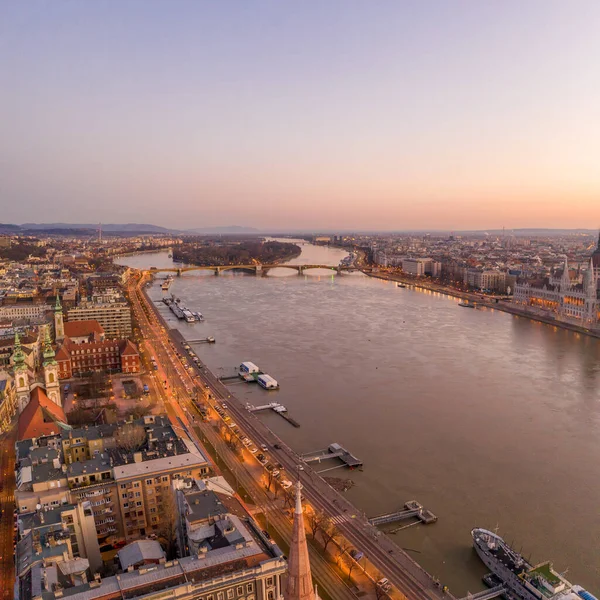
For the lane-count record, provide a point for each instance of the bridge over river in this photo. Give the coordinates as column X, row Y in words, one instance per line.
column 257, row 269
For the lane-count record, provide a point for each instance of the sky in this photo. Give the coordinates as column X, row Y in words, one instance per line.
column 303, row 114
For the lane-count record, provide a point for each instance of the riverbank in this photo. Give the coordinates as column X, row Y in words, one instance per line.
column 485, row 302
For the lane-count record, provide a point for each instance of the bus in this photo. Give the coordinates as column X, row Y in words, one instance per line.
column 146, row 389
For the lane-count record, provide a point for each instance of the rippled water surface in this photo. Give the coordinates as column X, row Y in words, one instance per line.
column 485, row 418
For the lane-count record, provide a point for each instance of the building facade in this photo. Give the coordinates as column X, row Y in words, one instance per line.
column 112, row 356
column 115, row 317
column 562, row 299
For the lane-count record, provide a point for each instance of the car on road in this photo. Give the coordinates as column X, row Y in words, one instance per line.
column 277, row 446
column 253, row 450
column 286, row 483
column 263, row 447
column 384, row 584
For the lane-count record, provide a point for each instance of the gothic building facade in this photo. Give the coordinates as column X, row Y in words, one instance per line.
column 565, row 300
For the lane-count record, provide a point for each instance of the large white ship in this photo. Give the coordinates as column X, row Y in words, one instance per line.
column 523, row 580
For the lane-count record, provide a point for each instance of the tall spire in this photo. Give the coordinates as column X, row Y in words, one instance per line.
column 565, row 280
column 58, row 305
column 18, row 355
column 299, row 584
column 48, row 350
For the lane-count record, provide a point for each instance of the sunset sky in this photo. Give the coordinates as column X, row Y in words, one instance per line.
column 317, row 114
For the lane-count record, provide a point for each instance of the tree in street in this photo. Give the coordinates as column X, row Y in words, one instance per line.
column 167, row 526
column 130, row 436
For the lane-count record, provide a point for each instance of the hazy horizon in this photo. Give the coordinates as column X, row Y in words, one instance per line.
column 342, row 115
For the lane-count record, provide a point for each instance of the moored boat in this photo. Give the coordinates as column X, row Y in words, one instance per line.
column 527, row 582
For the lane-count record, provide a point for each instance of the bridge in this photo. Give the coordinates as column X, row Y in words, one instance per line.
column 257, row 269
column 487, row 594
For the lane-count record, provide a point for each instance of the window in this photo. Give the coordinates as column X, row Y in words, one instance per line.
column 138, row 494
column 270, row 581
column 240, row 590
column 124, row 496
column 138, row 503
column 249, row 588
column 229, row 594
column 148, row 481
column 165, row 479
column 220, row 596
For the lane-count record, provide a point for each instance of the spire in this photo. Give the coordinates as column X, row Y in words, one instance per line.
column 565, row 280
column 299, row 580
column 48, row 350
column 58, row 305
column 18, row 355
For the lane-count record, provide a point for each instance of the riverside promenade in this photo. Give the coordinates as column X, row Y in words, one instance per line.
column 483, row 301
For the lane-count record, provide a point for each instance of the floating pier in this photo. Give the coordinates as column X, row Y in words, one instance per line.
column 275, row 407
column 494, row 592
column 411, row 509
column 333, row 451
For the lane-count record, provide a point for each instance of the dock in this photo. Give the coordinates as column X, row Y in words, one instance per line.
column 411, row 509
column 494, row 592
column 275, row 407
column 333, row 451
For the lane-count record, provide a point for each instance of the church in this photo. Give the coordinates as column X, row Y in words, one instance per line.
column 39, row 403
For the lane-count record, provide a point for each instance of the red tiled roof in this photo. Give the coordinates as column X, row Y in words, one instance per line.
column 128, row 349
column 82, row 328
column 40, row 416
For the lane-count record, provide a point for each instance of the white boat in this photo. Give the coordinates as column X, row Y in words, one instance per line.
column 188, row 316
column 247, row 368
column 267, row 382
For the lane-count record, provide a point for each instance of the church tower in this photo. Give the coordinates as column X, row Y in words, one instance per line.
column 21, row 373
column 299, row 584
column 51, row 371
column 59, row 325
column 565, row 280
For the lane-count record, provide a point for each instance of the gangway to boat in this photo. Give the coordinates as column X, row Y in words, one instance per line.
column 333, row 451
column 411, row 509
column 487, row 594
column 275, row 407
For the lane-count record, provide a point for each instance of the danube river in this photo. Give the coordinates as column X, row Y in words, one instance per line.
column 485, row 418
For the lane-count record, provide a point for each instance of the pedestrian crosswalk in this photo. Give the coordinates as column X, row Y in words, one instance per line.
column 339, row 519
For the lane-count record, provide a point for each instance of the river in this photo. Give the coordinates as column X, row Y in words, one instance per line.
column 486, row 418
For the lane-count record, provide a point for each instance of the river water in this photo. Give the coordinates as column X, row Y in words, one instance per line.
column 485, row 418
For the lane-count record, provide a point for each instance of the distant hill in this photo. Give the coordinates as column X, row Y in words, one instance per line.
column 229, row 229
column 107, row 227
column 8, row 228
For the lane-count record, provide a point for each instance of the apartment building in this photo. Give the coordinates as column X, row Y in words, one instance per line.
column 114, row 317
column 486, row 279
column 233, row 561
column 124, row 487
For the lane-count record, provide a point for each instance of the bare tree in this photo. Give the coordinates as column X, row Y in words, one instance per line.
column 130, row 436
column 351, row 563
column 167, row 525
column 343, row 546
column 329, row 532
column 316, row 522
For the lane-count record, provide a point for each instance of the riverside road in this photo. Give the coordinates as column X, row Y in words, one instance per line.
column 406, row 575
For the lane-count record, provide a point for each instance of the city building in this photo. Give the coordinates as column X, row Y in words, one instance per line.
column 486, row 279
column 421, row 266
column 86, row 357
column 560, row 298
column 113, row 316
column 57, row 549
column 231, row 559
column 8, row 401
